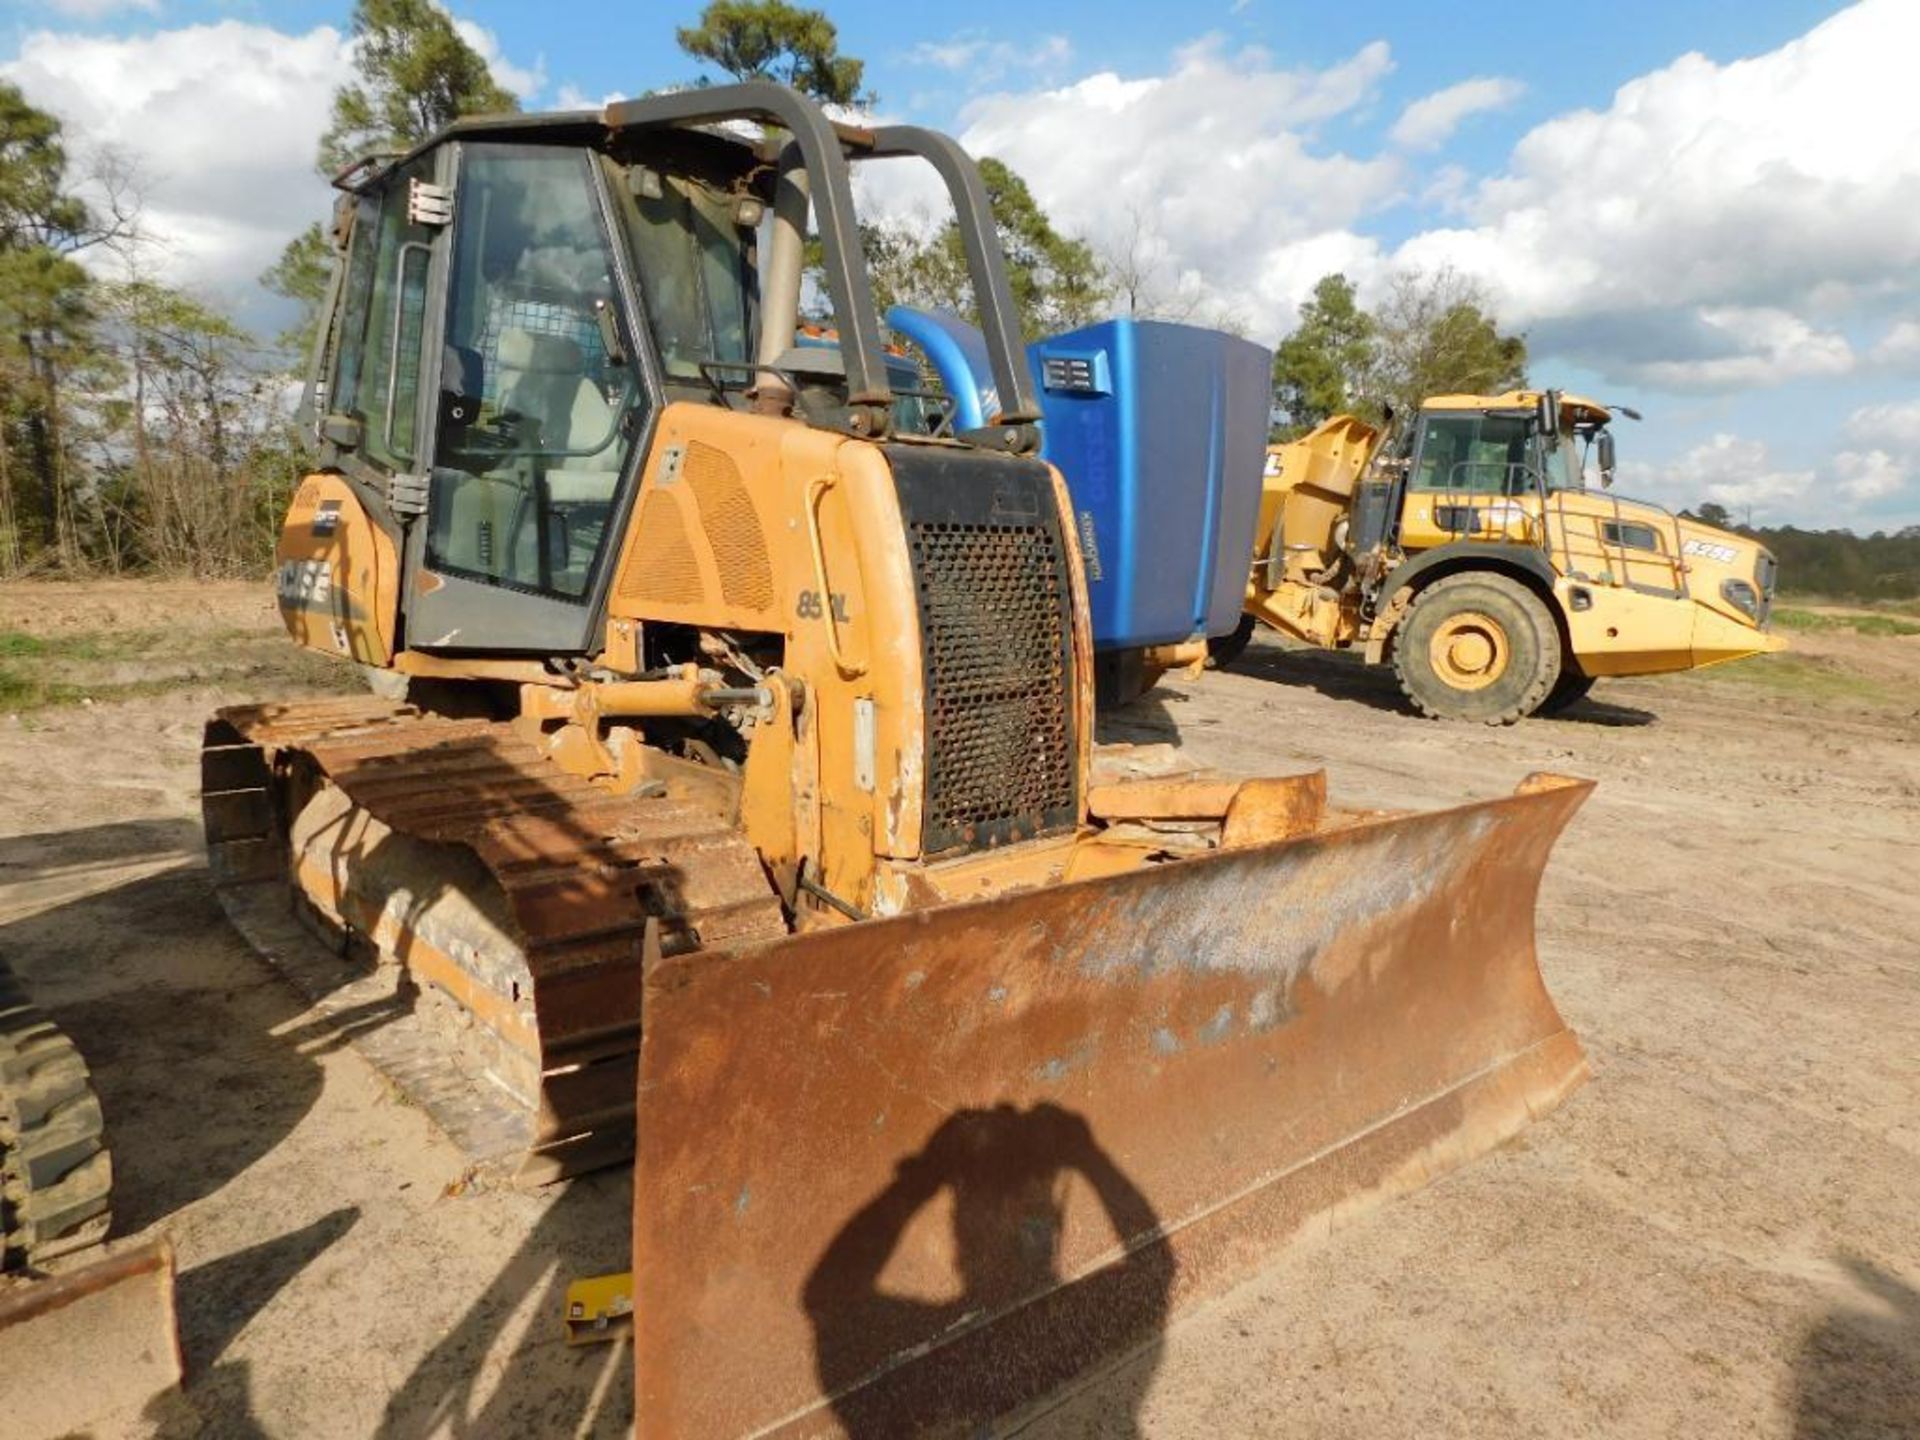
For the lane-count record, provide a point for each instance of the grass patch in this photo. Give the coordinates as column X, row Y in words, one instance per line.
column 1805, row 677
column 1858, row 624
column 1804, row 598
column 15, row 643
column 38, row 672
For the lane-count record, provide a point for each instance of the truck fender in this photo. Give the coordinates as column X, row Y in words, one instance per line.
column 1397, row 594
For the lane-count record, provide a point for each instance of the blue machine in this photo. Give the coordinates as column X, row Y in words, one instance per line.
column 1161, row 433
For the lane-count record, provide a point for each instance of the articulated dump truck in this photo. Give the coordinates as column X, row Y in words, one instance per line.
column 736, row 807
column 1468, row 552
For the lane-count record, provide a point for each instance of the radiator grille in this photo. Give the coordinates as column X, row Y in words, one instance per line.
column 1000, row 747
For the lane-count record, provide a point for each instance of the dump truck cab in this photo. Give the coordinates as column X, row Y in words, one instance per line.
column 1360, row 531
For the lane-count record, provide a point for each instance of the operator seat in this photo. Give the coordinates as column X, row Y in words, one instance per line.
column 544, row 378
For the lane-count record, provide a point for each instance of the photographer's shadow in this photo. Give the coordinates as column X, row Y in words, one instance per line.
column 1022, row 1324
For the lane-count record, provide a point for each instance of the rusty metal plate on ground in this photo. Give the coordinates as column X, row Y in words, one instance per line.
column 86, row 1349
column 899, row 1178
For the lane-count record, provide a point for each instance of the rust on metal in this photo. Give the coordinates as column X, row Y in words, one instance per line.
column 1279, row 808
column 1181, row 799
column 365, row 807
column 898, row 1178
column 99, row 1340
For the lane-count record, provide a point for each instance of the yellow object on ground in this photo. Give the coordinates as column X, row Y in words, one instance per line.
column 600, row 1308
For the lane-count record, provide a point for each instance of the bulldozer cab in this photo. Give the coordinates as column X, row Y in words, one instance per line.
column 520, row 298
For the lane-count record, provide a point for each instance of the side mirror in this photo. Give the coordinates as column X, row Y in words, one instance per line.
column 1606, row 459
column 1548, row 406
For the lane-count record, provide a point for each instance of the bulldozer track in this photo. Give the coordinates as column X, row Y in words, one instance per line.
column 503, row 996
column 55, row 1171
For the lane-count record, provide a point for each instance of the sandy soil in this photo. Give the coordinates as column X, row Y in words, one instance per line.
column 1717, row 1237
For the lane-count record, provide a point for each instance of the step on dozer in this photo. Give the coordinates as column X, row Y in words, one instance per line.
column 738, row 808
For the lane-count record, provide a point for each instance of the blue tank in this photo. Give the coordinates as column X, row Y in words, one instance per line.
column 1160, row 431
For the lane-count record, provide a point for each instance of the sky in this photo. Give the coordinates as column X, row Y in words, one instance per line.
column 1706, row 209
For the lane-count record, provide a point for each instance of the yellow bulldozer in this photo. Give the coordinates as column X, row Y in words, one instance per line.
column 735, row 805
column 1470, row 553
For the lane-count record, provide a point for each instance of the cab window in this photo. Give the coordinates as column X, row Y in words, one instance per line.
column 1474, row 454
column 537, row 416
column 386, row 363
column 1631, row 535
column 350, row 336
column 696, row 270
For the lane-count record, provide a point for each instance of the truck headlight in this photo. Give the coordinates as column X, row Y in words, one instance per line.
column 1743, row 597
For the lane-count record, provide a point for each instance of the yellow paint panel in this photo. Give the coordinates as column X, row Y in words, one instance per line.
column 336, row 576
column 732, row 510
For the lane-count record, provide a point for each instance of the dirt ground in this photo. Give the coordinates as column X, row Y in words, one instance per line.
column 1719, row 1236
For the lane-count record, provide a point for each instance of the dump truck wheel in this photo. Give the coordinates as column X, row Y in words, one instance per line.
column 1569, row 690
column 1477, row 647
column 1223, row 650
column 55, row 1173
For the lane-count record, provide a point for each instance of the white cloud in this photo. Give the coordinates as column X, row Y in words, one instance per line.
column 1881, row 463
column 522, row 82
column 99, row 9
column 222, row 122
column 980, row 59
column 1762, row 346
column 1767, row 186
column 1868, row 475
column 1732, row 471
column 1714, row 226
column 1883, row 458
column 1900, row 346
column 1429, row 123
column 571, row 97
column 1895, row 426
column 1225, row 145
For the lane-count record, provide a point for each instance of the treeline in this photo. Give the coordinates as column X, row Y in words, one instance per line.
column 139, row 427
column 1836, row 564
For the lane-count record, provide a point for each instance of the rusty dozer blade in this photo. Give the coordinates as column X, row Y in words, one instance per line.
column 901, row 1177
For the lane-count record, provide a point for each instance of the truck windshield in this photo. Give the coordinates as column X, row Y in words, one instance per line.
column 1560, row 463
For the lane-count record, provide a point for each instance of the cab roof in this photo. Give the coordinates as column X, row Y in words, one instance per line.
column 592, row 129
column 1574, row 408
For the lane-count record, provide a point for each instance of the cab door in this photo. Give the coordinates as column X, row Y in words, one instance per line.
column 1470, row 480
column 539, row 408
